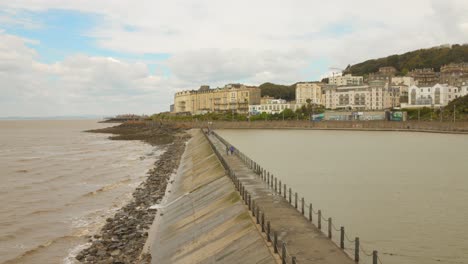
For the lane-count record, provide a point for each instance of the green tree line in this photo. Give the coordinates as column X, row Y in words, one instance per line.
column 423, row 58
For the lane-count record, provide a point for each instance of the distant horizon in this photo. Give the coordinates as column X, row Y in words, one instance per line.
column 67, row 117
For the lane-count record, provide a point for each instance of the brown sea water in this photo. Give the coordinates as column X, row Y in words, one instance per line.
column 403, row 194
column 59, row 184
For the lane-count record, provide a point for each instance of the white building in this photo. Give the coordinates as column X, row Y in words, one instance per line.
column 433, row 96
column 346, row 80
column 403, row 80
column 275, row 106
column 309, row 90
column 375, row 96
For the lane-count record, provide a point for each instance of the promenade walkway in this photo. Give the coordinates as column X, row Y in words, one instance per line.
column 303, row 240
column 203, row 219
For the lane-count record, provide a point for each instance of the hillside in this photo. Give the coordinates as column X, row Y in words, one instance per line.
column 423, row 58
column 287, row 92
column 461, row 108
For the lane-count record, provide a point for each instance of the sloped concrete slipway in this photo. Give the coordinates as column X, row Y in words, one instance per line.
column 203, row 219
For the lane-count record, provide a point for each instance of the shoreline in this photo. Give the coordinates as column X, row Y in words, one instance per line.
column 408, row 126
column 123, row 236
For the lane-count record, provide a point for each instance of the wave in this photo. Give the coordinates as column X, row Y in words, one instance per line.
column 43, row 211
column 38, row 249
column 108, row 187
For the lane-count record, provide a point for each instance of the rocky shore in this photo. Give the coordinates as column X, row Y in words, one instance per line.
column 122, row 238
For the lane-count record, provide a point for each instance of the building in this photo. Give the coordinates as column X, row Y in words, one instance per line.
column 346, row 80
column 232, row 97
column 384, row 74
column 309, row 90
column 377, row 95
column 266, row 99
column 454, row 74
column 274, row 106
column 403, row 80
column 424, row 77
column 433, row 96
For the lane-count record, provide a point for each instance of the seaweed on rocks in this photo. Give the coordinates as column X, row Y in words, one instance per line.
column 122, row 238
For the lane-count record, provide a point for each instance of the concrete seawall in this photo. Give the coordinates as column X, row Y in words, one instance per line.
column 203, row 219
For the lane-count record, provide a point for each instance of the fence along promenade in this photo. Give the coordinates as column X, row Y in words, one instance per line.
column 351, row 247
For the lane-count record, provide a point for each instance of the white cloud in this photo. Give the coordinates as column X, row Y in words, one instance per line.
column 215, row 42
column 78, row 85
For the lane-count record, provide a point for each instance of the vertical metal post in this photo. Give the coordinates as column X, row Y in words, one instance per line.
column 268, row 231
column 263, row 222
column 275, row 242
column 302, row 206
column 295, row 200
column 374, row 257
column 283, row 253
column 279, row 187
column 271, row 181
column 250, row 202
column 284, row 193
column 268, row 178
column 342, row 237
column 253, row 207
column 356, row 249
column 319, row 226
column 310, row 212
column 329, row 228
column 276, row 190
column 257, row 216
column 290, row 196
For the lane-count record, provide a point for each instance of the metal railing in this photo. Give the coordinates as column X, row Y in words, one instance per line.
column 306, row 209
column 279, row 246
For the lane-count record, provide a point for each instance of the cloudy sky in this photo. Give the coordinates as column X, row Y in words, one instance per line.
column 82, row 57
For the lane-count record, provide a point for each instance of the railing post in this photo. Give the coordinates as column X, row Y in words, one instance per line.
column 284, row 193
column 283, row 253
column 302, row 206
column 329, row 228
column 275, row 186
column 263, row 222
column 268, row 179
column 295, row 200
column 356, row 249
column 250, row 202
column 310, row 212
column 342, row 237
column 279, row 187
column 293, row 260
column 271, row 181
column 268, row 231
column 374, row 257
column 253, row 207
column 275, row 242
column 319, row 220
column 257, row 216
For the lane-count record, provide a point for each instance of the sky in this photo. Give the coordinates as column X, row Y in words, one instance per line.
column 88, row 57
